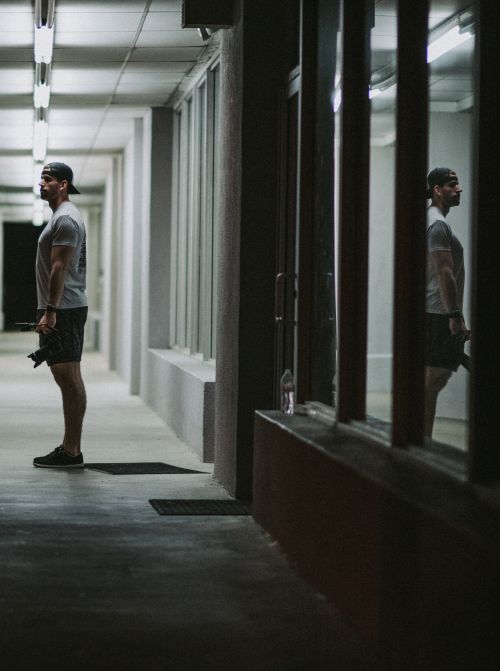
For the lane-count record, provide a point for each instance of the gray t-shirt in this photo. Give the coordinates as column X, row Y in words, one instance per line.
column 65, row 227
column 440, row 237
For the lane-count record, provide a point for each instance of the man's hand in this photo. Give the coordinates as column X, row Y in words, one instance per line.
column 457, row 325
column 47, row 323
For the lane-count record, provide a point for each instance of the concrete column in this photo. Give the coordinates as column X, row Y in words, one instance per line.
column 251, row 80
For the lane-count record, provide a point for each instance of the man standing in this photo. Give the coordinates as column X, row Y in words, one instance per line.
column 445, row 327
column 62, row 306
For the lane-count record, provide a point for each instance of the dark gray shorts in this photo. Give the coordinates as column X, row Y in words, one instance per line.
column 441, row 350
column 69, row 325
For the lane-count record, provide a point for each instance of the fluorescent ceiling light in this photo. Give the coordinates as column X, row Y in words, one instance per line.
column 37, row 172
column 41, row 95
column 40, row 135
column 44, row 43
column 41, row 92
column 37, row 217
column 450, row 40
column 38, row 207
column 378, row 91
column 372, row 93
column 44, row 13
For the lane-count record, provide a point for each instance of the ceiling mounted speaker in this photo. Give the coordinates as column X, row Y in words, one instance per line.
column 203, row 14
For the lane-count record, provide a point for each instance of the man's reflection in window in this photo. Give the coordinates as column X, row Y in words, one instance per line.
column 446, row 332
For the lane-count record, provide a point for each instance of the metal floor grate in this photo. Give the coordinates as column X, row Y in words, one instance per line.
column 140, row 468
column 200, row 507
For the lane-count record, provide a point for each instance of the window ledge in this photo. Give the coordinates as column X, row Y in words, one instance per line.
column 472, row 509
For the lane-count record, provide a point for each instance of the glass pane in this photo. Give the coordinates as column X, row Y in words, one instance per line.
column 450, row 56
column 337, row 103
column 381, row 217
column 216, row 186
column 182, row 241
column 176, row 183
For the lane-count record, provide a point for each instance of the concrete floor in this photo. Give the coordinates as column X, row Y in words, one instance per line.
column 93, row 578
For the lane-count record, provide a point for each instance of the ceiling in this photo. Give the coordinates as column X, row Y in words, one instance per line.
column 112, row 61
column 450, row 76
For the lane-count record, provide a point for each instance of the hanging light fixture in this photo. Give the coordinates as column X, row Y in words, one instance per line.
column 40, row 134
column 44, row 30
column 41, row 92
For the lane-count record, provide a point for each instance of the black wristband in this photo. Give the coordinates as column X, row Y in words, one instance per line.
column 50, row 308
column 456, row 314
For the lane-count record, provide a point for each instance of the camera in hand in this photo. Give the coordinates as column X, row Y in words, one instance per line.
column 51, row 347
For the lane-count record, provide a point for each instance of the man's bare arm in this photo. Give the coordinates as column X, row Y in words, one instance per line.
column 60, row 257
column 443, row 264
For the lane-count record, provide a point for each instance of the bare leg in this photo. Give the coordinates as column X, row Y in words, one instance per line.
column 435, row 380
column 69, row 379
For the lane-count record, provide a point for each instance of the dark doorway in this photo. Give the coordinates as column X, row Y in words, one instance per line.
column 19, row 286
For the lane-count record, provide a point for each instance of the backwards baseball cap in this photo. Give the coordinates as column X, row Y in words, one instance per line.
column 61, row 171
column 438, row 177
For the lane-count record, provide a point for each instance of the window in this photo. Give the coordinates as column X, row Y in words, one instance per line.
column 195, row 213
column 426, row 114
column 451, row 103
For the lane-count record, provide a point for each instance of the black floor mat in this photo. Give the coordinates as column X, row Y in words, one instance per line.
column 139, row 468
column 200, row 507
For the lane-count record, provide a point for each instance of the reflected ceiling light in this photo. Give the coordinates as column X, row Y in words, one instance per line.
column 337, row 100
column 40, row 135
column 448, row 41
column 381, row 90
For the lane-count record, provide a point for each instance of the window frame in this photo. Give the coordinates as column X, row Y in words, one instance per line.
column 193, row 262
column 482, row 465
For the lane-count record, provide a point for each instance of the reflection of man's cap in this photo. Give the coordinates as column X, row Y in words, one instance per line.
column 61, row 171
column 438, row 177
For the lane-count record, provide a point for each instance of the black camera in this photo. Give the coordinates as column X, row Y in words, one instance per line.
column 51, row 348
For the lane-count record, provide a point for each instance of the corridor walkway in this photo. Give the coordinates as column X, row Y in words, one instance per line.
column 93, row 578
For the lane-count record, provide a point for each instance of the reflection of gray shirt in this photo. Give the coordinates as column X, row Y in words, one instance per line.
column 440, row 238
column 65, row 227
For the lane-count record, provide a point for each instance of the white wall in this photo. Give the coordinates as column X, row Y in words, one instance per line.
column 380, row 268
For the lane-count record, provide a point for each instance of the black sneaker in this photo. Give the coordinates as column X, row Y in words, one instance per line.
column 59, row 459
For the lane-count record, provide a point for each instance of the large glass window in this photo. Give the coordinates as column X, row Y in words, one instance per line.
column 430, row 109
column 383, row 88
column 450, row 56
column 194, row 262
